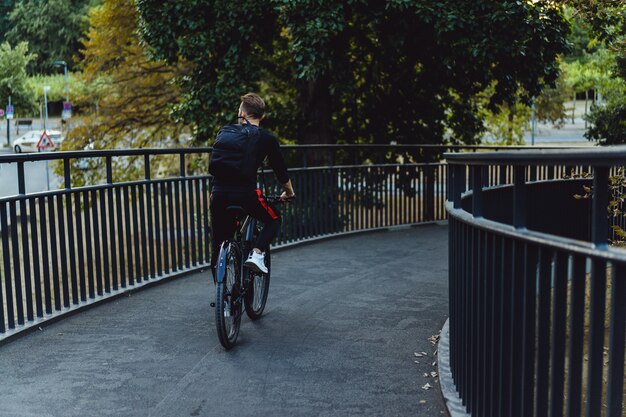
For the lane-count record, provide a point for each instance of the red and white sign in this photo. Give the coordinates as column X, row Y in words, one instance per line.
column 45, row 142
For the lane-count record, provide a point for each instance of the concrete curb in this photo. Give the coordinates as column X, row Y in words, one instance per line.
column 451, row 398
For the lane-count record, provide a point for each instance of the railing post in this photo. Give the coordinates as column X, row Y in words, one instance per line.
column 146, row 166
column 21, row 183
column 600, row 202
column 519, row 197
column 429, row 191
column 599, row 236
column 149, row 209
column 458, row 179
column 616, row 342
column 182, row 164
column 67, row 177
column 477, row 191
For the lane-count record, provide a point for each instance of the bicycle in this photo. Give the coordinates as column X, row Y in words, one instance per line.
column 239, row 288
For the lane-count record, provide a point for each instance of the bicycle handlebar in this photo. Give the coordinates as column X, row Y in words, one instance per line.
column 277, row 199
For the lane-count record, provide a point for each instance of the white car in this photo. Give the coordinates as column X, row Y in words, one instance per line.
column 28, row 142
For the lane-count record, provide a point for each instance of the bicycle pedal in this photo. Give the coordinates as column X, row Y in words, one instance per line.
column 213, row 305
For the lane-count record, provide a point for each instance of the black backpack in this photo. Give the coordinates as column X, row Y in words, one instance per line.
column 234, row 152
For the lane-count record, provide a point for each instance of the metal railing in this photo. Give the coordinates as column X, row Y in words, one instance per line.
column 537, row 296
column 116, row 222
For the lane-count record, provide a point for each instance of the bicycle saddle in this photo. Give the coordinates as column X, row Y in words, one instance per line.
column 238, row 211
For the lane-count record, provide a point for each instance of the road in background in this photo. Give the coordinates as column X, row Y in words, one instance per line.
column 571, row 133
column 34, row 176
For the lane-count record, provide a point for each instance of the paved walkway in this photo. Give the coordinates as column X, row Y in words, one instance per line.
column 343, row 321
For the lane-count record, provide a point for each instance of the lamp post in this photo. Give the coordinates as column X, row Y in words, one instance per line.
column 533, row 122
column 66, row 106
column 67, row 84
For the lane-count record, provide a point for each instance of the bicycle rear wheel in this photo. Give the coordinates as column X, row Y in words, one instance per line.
column 228, row 306
column 256, row 295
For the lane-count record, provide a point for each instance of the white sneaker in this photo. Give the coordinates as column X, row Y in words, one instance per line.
column 256, row 262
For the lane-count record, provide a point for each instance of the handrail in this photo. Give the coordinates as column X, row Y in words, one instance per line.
column 66, row 249
column 522, row 254
column 42, row 156
column 605, row 156
column 49, row 156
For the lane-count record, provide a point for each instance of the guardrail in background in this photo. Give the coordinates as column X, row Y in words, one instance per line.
column 121, row 219
column 537, row 297
column 112, row 226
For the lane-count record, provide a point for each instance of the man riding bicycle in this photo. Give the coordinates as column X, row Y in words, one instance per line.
column 238, row 152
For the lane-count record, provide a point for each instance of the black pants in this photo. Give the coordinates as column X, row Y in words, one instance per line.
column 223, row 222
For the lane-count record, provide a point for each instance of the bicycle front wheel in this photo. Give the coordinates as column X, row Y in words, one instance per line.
column 228, row 305
column 256, row 295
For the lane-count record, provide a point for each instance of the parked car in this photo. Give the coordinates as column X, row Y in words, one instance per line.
column 28, row 142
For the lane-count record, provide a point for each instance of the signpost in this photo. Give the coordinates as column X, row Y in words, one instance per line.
column 45, row 142
column 9, row 117
column 67, row 110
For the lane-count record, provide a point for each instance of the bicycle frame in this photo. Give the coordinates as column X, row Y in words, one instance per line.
column 244, row 235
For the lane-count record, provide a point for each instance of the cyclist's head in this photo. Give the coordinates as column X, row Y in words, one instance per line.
column 252, row 105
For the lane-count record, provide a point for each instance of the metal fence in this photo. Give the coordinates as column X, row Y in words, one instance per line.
column 537, row 296
column 119, row 220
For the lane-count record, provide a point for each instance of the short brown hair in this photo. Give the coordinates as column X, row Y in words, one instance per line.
column 253, row 105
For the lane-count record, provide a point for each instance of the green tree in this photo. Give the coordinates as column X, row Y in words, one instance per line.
column 607, row 20
column 356, row 70
column 52, row 28
column 5, row 8
column 14, row 80
column 128, row 101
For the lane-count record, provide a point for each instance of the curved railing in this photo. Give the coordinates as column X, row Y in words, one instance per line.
column 113, row 221
column 537, row 296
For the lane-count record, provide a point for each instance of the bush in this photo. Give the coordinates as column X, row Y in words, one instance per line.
column 608, row 123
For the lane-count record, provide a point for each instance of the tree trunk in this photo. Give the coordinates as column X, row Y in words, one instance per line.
column 510, row 140
column 315, row 119
column 315, row 109
column 586, row 99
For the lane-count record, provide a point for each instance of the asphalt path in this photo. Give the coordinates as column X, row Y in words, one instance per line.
column 344, row 320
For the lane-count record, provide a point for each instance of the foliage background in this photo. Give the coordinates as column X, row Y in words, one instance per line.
column 359, row 71
column 434, row 71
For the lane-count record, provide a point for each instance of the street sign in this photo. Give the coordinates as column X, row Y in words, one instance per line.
column 67, row 110
column 9, row 112
column 45, row 142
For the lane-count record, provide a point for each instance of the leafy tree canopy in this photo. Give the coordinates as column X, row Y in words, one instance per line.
column 52, row 28
column 13, row 78
column 5, row 8
column 357, row 70
column 125, row 99
column 606, row 68
column 606, row 18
